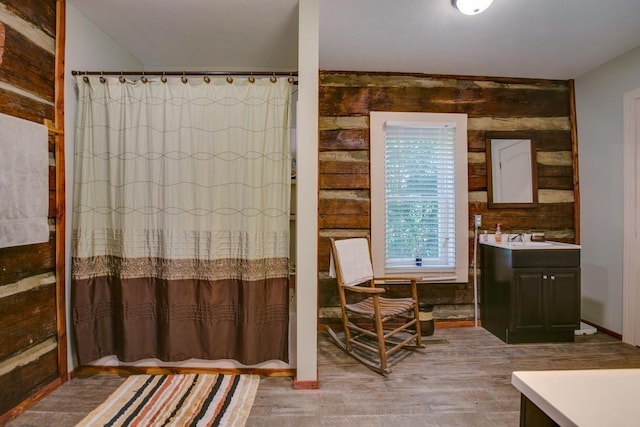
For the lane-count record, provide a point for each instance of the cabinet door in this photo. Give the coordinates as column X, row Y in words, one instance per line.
column 528, row 297
column 563, row 296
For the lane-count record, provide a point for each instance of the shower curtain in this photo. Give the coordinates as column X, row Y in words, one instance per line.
column 181, row 219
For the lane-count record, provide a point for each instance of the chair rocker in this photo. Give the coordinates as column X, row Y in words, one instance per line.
column 376, row 328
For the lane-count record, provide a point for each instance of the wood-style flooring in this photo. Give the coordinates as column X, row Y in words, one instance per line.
column 462, row 379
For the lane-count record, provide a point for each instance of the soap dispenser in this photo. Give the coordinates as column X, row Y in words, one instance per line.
column 498, row 234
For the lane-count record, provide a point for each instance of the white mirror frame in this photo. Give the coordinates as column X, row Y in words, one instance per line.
column 511, row 173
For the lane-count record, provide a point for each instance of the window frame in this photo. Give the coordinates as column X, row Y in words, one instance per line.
column 378, row 119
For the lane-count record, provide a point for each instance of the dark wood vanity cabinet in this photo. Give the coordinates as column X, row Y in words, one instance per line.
column 530, row 295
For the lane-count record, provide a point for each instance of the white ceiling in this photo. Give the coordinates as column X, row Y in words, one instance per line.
column 554, row 39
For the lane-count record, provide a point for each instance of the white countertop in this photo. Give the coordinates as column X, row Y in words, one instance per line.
column 548, row 244
column 585, row 398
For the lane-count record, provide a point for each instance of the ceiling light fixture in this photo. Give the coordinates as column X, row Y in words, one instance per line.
column 471, row 7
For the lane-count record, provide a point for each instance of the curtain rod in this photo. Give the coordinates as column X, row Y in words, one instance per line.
column 185, row 73
column 291, row 75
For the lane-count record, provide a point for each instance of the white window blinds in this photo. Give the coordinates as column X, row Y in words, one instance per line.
column 420, row 196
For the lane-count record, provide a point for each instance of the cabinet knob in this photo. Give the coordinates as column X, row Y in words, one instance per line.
column 544, row 276
column 553, row 277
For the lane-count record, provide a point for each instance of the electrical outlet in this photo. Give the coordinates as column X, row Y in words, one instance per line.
column 477, row 221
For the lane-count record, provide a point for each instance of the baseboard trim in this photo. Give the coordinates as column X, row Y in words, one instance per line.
column 147, row 370
column 306, row 385
column 442, row 323
column 603, row 330
column 455, row 323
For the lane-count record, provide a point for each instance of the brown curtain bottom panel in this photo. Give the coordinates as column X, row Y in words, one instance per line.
column 175, row 320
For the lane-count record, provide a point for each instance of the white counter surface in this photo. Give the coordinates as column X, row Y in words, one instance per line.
column 549, row 244
column 585, row 398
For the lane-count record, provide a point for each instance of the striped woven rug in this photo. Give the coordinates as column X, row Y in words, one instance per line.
column 178, row 400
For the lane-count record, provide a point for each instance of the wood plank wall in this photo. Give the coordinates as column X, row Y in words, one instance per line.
column 495, row 106
column 29, row 329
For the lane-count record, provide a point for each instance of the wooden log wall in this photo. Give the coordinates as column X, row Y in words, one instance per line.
column 496, row 107
column 32, row 333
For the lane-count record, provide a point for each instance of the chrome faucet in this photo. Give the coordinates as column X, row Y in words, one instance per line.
column 516, row 237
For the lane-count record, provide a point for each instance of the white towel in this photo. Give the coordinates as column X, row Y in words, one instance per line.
column 355, row 261
column 24, row 182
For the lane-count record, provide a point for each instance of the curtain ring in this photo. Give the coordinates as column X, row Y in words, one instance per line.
column 144, row 78
column 184, row 78
column 121, row 78
column 85, row 78
column 251, row 78
column 163, row 79
column 102, row 79
column 273, row 78
column 229, row 79
column 206, row 78
column 291, row 79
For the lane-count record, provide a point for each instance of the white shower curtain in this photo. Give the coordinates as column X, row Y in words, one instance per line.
column 181, row 219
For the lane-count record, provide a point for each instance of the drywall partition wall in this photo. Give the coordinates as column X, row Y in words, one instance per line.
column 495, row 107
column 29, row 335
column 88, row 48
column 307, row 195
column 599, row 106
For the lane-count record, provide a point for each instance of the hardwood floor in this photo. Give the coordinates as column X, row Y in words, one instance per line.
column 462, row 379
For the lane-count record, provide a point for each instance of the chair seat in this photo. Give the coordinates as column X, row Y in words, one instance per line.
column 388, row 307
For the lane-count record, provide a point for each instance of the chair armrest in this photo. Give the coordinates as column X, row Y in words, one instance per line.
column 364, row 290
column 399, row 279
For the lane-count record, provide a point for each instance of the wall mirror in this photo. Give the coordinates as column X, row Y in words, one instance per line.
column 511, row 171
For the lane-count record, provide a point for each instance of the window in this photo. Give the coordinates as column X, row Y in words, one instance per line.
column 419, row 195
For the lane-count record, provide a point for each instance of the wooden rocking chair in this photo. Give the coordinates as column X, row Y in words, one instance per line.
column 385, row 325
